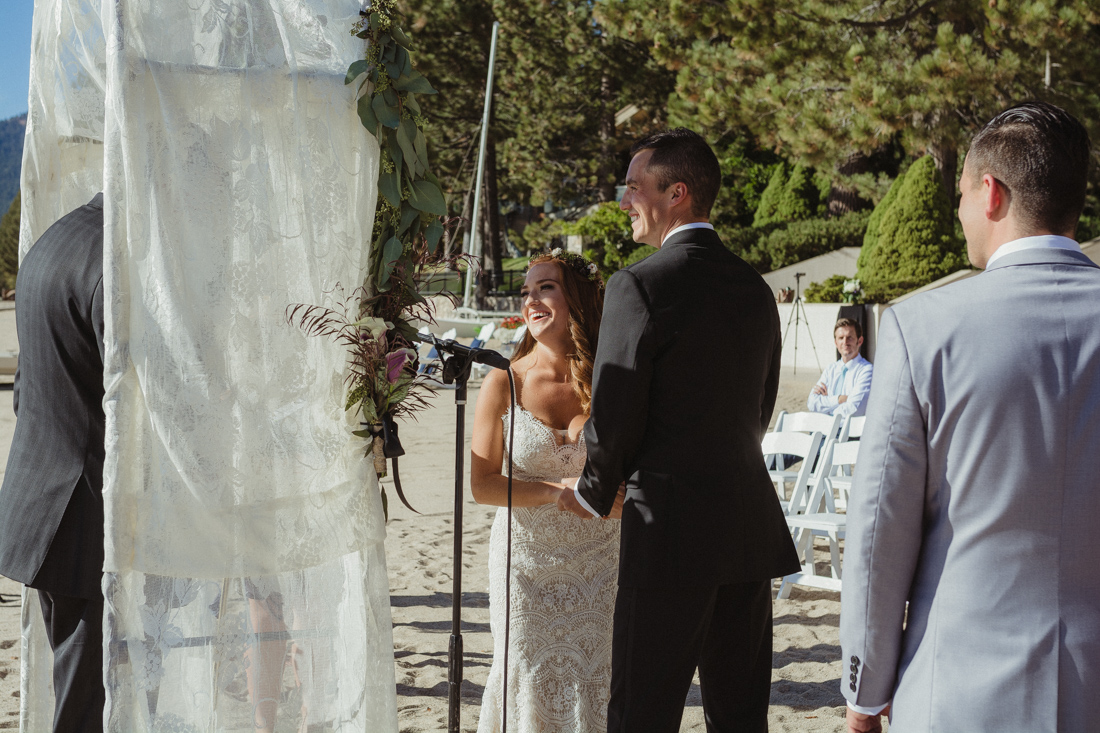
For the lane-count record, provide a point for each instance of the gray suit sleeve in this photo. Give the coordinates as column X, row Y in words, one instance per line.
column 885, row 516
column 620, row 392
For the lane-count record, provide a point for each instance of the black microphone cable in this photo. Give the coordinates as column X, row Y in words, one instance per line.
column 508, row 560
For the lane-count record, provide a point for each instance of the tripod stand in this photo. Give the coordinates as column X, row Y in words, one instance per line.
column 799, row 317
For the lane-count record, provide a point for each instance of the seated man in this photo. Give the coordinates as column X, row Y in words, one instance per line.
column 843, row 386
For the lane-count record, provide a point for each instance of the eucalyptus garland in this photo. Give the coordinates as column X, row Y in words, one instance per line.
column 410, row 199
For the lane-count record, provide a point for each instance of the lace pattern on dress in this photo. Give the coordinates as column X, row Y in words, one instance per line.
column 564, row 572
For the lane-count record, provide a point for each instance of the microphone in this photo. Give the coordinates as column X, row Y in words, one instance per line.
column 481, row 356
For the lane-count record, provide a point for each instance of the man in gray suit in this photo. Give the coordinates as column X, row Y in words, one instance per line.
column 51, row 503
column 976, row 500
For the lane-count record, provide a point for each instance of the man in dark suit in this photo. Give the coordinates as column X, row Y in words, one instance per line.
column 51, row 504
column 685, row 381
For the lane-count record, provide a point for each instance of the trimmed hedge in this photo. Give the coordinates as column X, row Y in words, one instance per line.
column 802, row 240
column 916, row 239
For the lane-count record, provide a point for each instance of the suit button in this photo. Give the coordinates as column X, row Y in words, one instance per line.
column 855, row 659
column 855, row 667
column 853, row 686
column 853, row 677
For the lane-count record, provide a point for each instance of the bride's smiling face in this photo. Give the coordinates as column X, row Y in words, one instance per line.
column 544, row 308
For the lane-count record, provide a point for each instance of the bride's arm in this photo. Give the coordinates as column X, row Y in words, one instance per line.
column 488, row 483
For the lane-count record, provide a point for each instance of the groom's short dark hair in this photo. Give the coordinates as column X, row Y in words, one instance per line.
column 1040, row 153
column 680, row 155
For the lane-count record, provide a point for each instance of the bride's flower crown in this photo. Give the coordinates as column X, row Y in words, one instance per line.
column 578, row 264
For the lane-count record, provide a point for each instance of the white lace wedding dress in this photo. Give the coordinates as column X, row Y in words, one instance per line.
column 563, row 597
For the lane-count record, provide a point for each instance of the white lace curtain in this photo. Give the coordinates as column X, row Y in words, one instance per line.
column 245, row 578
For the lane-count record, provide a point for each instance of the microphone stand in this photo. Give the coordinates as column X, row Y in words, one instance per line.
column 456, row 370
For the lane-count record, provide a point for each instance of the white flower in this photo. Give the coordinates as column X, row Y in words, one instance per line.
column 556, row 252
column 592, row 268
column 374, row 326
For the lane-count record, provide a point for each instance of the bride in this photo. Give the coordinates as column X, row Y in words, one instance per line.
column 563, row 568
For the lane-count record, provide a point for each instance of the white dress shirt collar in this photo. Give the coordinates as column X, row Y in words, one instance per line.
column 685, row 227
column 1042, row 241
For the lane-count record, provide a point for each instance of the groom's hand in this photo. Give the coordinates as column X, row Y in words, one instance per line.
column 617, row 507
column 567, row 502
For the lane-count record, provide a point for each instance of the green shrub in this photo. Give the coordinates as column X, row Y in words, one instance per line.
column 800, row 198
column 801, row 240
column 9, row 245
column 608, row 240
column 870, row 239
column 916, row 243
column 830, row 291
column 766, row 210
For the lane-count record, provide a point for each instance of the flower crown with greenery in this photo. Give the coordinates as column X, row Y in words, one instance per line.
column 578, row 264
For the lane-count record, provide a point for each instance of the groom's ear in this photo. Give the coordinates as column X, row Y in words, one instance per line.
column 680, row 194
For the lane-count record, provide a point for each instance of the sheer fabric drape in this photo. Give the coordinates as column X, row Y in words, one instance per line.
column 245, row 580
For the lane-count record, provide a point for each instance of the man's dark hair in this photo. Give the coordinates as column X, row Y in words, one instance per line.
column 682, row 156
column 850, row 324
column 1040, row 153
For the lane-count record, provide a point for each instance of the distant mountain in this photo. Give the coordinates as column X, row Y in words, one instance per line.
column 11, row 158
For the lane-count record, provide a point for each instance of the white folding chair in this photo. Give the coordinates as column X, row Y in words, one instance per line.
column 803, row 446
column 852, row 428
column 431, row 361
column 802, row 422
column 842, row 471
column 828, row 523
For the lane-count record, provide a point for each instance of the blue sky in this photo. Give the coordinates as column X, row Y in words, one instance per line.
column 15, row 55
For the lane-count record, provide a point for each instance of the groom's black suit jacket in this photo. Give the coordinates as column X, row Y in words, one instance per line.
column 51, row 503
column 686, row 376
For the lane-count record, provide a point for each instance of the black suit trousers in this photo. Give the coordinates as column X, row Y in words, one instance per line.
column 663, row 634
column 74, row 628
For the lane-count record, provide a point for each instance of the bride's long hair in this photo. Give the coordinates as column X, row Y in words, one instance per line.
column 583, row 288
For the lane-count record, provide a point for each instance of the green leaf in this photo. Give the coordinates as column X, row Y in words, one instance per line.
column 393, row 148
column 414, row 82
column 428, row 197
column 386, row 113
column 407, row 147
column 393, row 68
column 411, row 103
column 399, row 36
column 434, row 234
column 421, row 147
column 366, row 115
column 362, row 433
column 391, row 252
column 355, row 70
column 408, row 214
column 385, row 504
column 389, row 185
column 407, row 65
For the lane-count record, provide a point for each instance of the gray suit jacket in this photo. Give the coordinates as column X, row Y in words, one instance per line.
column 976, row 501
column 51, row 503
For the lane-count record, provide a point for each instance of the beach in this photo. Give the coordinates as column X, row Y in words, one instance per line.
column 419, row 550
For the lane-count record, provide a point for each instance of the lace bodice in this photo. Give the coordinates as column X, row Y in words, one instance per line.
column 563, row 598
column 540, row 454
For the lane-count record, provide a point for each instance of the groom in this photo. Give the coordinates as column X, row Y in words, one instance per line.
column 685, row 380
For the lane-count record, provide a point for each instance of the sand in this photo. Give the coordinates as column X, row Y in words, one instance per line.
column 419, row 548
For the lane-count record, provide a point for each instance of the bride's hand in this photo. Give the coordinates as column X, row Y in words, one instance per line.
column 617, row 507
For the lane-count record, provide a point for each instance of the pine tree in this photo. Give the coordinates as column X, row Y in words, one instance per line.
column 822, row 79
column 9, row 245
column 916, row 242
